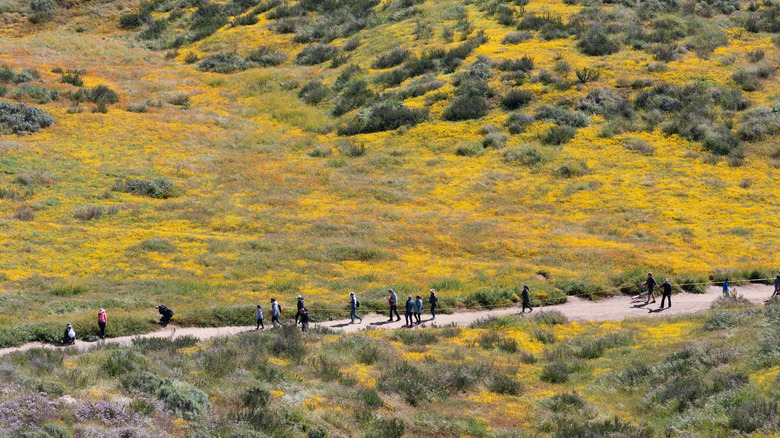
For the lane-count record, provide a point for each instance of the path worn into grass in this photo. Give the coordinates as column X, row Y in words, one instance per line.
column 576, row 309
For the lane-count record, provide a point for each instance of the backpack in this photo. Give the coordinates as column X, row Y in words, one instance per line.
column 71, row 334
column 357, row 303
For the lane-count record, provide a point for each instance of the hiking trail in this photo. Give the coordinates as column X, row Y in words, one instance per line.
column 576, row 309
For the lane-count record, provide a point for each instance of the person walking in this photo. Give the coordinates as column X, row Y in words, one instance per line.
column 102, row 320
column 776, row 293
column 434, row 300
column 418, row 307
column 526, row 299
column 298, row 312
column 726, row 288
column 276, row 312
column 259, row 318
column 409, row 315
column 353, row 305
column 304, row 314
column 69, row 338
column 666, row 293
column 393, row 300
column 651, row 284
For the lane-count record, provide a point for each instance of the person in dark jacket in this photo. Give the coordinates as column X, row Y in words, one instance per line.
column 666, row 292
column 776, row 283
column 393, row 301
column 651, row 284
column 166, row 313
column 434, row 300
column 526, row 300
column 69, row 338
column 300, row 306
column 409, row 311
column 304, row 315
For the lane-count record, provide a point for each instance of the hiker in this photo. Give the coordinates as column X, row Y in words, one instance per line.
column 526, row 299
column 434, row 300
column 777, row 288
column 353, row 305
column 259, row 318
column 102, row 320
column 276, row 312
column 726, row 287
column 409, row 311
column 666, row 293
column 651, row 284
column 300, row 306
column 69, row 338
column 166, row 313
column 393, row 300
column 418, row 306
column 304, row 315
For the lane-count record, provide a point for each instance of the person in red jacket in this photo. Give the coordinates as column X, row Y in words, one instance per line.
column 102, row 320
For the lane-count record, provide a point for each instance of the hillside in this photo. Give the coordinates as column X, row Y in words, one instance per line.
column 712, row 374
column 218, row 154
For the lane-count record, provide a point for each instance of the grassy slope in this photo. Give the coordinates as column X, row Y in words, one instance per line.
column 686, row 376
column 256, row 216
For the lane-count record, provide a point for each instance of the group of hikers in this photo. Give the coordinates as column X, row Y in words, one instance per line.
column 414, row 307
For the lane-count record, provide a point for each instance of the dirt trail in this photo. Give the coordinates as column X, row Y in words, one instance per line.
column 576, row 309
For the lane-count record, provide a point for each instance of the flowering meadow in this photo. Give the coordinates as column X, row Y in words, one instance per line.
column 219, row 154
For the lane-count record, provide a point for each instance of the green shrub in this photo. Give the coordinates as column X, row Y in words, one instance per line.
column 149, row 345
column 245, row 20
column 606, row 428
column 395, row 57
column 120, row 362
column 506, row 385
column 90, row 212
column 490, row 298
column 515, row 99
column 544, row 336
column 157, row 244
column 746, row 79
column 753, row 414
column 313, row 92
column 223, row 62
column 526, row 156
column 721, row 142
column 516, row 37
column 316, row 54
column 586, row 75
column 266, row 57
column 596, row 42
column 370, row 399
column 70, row 290
column 73, row 77
column 562, row 116
column 496, row 140
column 182, row 100
column 469, row 149
column 385, row 116
column 355, row 95
column 411, row 383
column 722, row 320
column 159, row 188
column 550, row 317
column 351, row 149
column 558, row 135
column 54, row 389
column 580, row 287
column 565, row 402
column 133, row 20
column 466, row 107
column 524, row 64
column 41, row 10
column 555, row 372
column 517, row 123
column 16, row 118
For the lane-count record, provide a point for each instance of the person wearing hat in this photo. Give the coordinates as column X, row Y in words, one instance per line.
column 526, row 299
column 353, row 305
column 259, row 318
column 393, row 300
column 666, row 292
column 409, row 311
column 166, row 313
column 102, row 320
column 651, row 284
column 300, row 306
column 434, row 300
column 69, row 338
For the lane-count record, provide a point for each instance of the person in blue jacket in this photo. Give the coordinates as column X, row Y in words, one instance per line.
column 726, row 287
column 418, row 307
